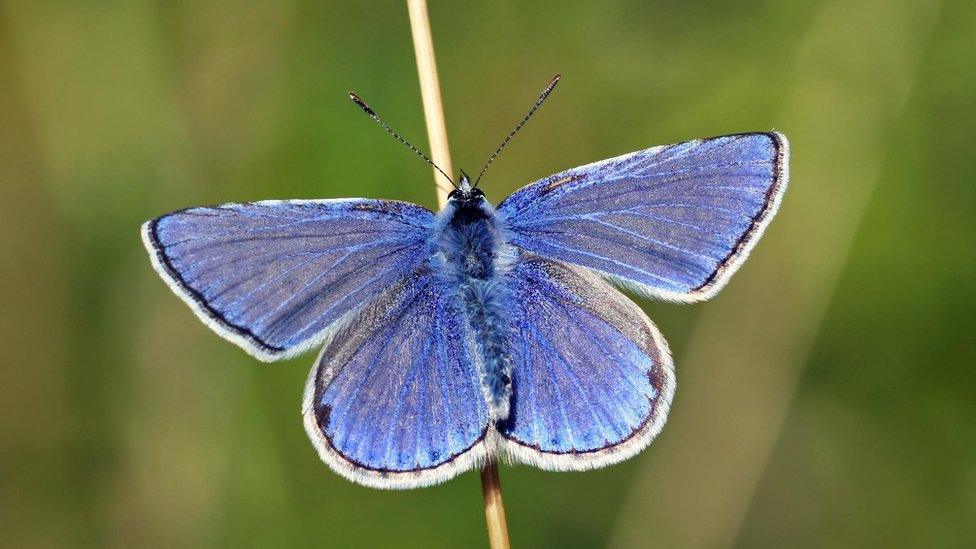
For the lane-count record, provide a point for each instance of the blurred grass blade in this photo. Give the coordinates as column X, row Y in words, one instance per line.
column 854, row 72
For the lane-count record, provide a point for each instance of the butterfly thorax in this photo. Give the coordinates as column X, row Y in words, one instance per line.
column 471, row 246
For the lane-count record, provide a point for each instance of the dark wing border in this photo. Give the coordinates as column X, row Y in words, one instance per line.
column 740, row 251
column 238, row 335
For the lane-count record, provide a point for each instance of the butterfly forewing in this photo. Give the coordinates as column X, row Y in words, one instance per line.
column 274, row 276
column 673, row 222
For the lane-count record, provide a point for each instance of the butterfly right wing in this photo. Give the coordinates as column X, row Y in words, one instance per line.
column 672, row 222
column 394, row 401
column 592, row 378
column 275, row 277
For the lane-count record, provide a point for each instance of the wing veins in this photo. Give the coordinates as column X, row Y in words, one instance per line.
column 615, row 262
column 594, row 411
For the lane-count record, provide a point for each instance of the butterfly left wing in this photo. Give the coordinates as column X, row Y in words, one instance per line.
column 276, row 277
column 672, row 222
column 592, row 378
column 394, row 401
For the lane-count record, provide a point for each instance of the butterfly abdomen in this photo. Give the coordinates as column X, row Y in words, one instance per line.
column 471, row 248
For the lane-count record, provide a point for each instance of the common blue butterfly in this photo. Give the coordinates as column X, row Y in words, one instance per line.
column 480, row 332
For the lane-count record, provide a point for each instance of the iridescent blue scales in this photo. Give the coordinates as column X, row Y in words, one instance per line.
column 477, row 333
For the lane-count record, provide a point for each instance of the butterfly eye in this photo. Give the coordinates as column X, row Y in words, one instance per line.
column 453, row 195
column 477, row 193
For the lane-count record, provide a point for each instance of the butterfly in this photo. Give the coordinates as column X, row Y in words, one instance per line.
column 480, row 332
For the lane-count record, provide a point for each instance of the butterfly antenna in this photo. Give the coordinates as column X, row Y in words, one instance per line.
column 535, row 107
column 372, row 114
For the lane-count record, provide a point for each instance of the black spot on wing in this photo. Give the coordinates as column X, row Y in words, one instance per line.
column 322, row 416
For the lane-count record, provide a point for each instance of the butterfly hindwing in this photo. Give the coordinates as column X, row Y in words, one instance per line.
column 672, row 222
column 275, row 276
column 592, row 377
column 394, row 401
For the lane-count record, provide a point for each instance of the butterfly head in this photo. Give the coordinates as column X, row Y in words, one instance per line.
column 465, row 193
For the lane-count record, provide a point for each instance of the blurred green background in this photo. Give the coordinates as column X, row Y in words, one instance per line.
column 825, row 398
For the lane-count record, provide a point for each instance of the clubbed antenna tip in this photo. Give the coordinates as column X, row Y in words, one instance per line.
column 538, row 103
column 372, row 114
column 362, row 104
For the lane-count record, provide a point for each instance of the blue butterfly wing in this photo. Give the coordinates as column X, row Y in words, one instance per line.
column 394, row 400
column 274, row 277
column 592, row 378
column 672, row 222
